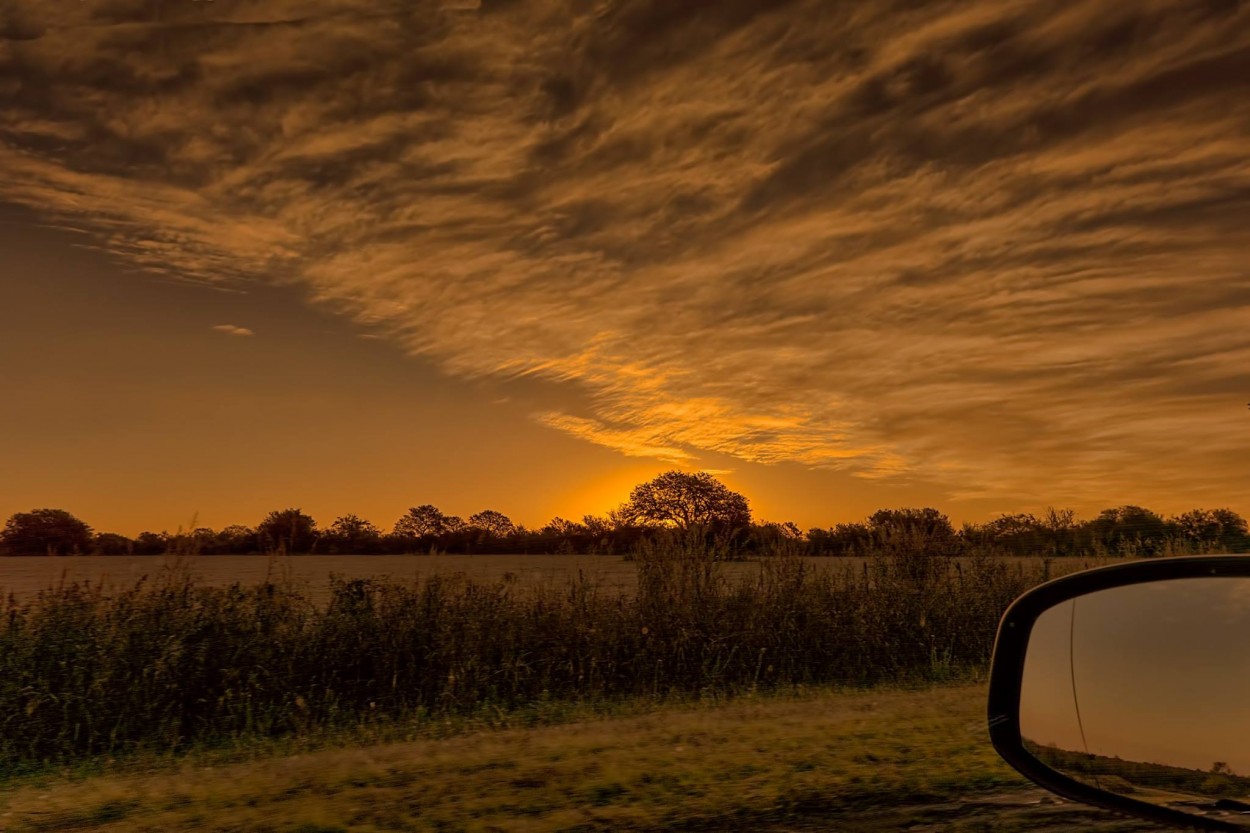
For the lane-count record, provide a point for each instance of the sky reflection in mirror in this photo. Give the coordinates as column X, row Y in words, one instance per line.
column 1153, row 673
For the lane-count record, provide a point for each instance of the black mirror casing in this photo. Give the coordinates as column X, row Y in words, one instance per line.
column 1008, row 665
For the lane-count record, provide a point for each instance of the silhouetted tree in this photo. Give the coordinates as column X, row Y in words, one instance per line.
column 775, row 537
column 237, row 539
column 1209, row 529
column 287, row 530
column 1054, row 533
column 1015, row 534
column 424, row 521
column 819, row 541
column 109, row 543
column 201, row 540
column 789, row 530
column 493, row 523
column 686, row 500
column 1234, row 531
column 45, row 532
column 1059, row 529
column 560, row 535
column 597, row 525
column 151, row 543
column 1129, row 530
column 352, row 534
column 599, row 537
column 922, row 531
column 1015, row 525
column 841, row 539
column 559, row 527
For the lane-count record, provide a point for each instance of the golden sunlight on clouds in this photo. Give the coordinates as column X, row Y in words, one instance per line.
column 999, row 246
column 232, row 330
column 631, row 443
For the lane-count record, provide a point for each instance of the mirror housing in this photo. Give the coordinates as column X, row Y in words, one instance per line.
column 1103, row 636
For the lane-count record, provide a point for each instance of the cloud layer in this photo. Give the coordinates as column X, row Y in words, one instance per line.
column 997, row 245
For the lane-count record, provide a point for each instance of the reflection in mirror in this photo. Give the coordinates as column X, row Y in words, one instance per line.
column 1144, row 691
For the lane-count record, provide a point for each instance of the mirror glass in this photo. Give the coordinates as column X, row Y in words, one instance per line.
column 1144, row 691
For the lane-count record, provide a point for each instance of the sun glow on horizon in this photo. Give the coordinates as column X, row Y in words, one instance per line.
column 601, row 495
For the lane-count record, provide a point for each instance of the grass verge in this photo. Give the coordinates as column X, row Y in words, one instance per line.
column 757, row 760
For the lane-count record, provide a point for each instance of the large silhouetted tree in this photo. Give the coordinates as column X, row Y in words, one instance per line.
column 686, row 500
column 287, row 530
column 1129, row 530
column 920, row 531
column 353, row 534
column 494, row 523
column 421, row 522
column 1209, row 529
column 45, row 532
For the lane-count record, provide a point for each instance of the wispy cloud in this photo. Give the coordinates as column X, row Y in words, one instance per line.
column 999, row 245
column 232, row 330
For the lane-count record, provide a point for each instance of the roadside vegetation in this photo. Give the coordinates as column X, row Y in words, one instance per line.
column 170, row 664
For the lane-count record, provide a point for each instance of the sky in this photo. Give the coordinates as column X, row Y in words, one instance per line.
column 523, row 254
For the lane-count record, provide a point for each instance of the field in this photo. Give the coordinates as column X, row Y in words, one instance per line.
column 824, row 759
column 26, row 575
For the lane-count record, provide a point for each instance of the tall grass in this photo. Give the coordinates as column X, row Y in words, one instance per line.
column 168, row 663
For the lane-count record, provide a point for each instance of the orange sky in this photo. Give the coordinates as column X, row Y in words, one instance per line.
column 349, row 256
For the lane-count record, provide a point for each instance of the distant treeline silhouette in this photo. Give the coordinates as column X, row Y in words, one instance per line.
column 694, row 504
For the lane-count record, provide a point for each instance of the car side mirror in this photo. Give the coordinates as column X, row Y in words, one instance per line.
column 1128, row 687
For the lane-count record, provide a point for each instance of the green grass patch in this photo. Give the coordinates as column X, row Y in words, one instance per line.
column 820, row 753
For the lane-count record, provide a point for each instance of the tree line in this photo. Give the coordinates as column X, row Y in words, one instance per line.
column 693, row 505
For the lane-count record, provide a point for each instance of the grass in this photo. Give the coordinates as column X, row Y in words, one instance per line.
column 822, row 753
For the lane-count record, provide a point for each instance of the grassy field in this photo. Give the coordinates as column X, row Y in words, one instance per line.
column 25, row 576
column 885, row 759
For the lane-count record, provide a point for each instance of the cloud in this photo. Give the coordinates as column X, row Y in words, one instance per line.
column 628, row 441
column 1000, row 246
column 232, row 330
column 18, row 23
